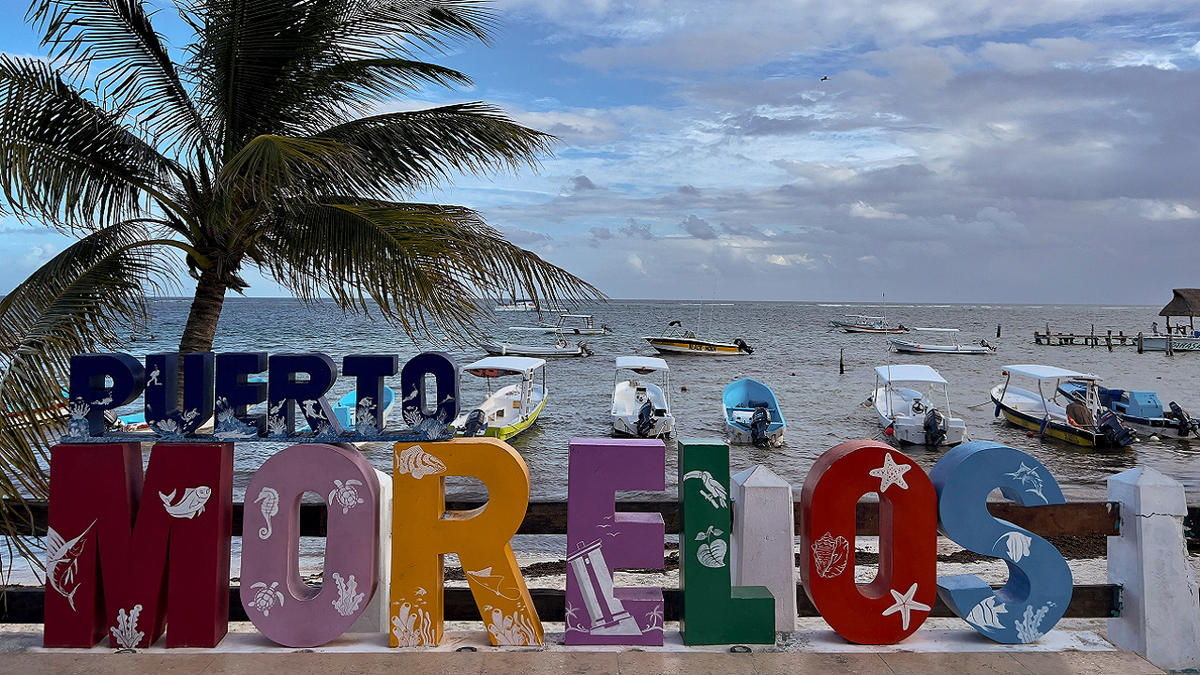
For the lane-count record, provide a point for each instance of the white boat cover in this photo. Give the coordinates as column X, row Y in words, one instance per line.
column 909, row 373
column 1047, row 372
column 505, row 365
column 641, row 363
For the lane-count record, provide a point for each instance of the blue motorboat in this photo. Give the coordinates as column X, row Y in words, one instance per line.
column 752, row 414
column 1141, row 411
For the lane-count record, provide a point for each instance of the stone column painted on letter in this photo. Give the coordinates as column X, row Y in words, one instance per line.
column 600, row 540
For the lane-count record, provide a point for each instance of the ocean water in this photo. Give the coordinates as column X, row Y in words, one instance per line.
column 796, row 353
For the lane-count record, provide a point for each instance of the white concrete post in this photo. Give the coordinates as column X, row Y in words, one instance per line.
column 763, row 539
column 1160, row 607
column 374, row 618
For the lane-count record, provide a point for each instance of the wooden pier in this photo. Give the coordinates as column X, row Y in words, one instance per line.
column 1093, row 339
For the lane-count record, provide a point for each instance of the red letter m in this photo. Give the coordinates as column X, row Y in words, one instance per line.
column 118, row 556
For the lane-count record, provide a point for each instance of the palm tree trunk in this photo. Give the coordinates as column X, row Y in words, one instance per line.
column 206, row 311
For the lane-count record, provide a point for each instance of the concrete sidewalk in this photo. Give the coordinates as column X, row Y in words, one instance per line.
column 564, row 663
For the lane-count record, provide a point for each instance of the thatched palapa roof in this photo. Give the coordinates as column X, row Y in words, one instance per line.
column 1185, row 303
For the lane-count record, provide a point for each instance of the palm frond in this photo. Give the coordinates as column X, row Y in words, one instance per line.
column 270, row 169
column 421, row 264
column 135, row 66
column 80, row 301
column 417, row 149
column 360, row 85
column 66, row 161
column 262, row 67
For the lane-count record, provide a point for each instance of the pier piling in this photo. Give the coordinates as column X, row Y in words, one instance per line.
column 842, row 361
column 997, row 330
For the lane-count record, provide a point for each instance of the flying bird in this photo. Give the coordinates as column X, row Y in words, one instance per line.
column 824, row 78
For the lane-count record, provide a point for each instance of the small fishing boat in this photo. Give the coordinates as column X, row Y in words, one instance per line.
column 913, row 401
column 752, row 414
column 561, row 348
column 1084, row 422
column 911, row 347
column 860, row 323
column 641, row 408
column 523, row 305
column 675, row 340
column 1140, row 411
column 510, row 409
column 568, row 324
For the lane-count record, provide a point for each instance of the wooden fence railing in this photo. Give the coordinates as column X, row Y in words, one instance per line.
column 25, row 604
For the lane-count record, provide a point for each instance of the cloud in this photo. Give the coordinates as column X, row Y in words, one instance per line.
column 1157, row 210
column 580, row 184
column 601, row 233
column 698, row 228
column 741, row 230
column 1038, row 54
column 861, row 209
column 636, row 229
column 524, row 237
column 39, row 255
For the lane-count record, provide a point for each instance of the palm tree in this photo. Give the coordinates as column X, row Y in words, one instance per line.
column 263, row 147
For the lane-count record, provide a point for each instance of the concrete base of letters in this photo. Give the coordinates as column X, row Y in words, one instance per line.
column 374, row 618
column 763, row 539
column 1160, row 606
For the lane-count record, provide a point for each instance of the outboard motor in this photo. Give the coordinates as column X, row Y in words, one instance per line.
column 759, row 422
column 645, row 420
column 743, row 346
column 586, row 349
column 935, row 428
column 476, row 423
column 1117, row 433
column 1186, row 424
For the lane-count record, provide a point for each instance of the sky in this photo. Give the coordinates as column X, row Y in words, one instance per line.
column 966, row 151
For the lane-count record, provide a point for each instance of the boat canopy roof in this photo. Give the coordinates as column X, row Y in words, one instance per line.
column 578, row 316
column 641, row 364
column 498, row 366
column 1047, row 372
column 909, row 373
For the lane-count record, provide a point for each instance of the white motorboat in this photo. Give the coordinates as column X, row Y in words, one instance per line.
column 510, row 409
column 641, row 408
column 517, row 306
column 561, row 348
column 860, row 323
column 568, row 324
column 913, row 347
column 914, row 402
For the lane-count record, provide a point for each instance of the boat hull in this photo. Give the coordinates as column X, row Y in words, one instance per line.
column 739, row 435
column 692, row 346
column 507, row 349
column 909, row 429
column 1054, row 428
column 1158, row 343
column 914, row 348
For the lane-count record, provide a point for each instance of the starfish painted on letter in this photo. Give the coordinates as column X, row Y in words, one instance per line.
column 890, row 473
column 905, row 604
